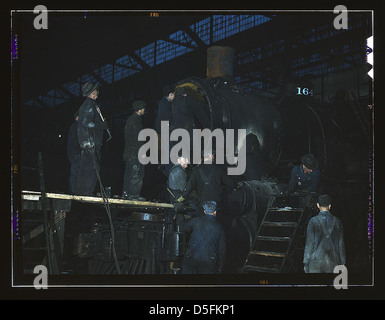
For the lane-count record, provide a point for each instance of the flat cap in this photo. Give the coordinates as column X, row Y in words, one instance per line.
column 209, row 206
column 88, row 88
column 310, row 161
column 138, row 105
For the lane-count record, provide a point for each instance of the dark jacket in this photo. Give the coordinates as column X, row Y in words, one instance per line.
column 131, row 132
column 209, row 181
column 73, row 147
column 301, row 182
column 177, row 180
column 90, row 128
column 321, row 253
column 207, row 240
column 164, row 112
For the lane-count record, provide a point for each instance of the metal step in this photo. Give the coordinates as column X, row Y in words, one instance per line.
column 286, row 209
column 268, row 238
column 268, row 253
column 260, row 269
column 279, row 224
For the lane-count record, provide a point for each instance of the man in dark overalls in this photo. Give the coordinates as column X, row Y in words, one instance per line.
column 165, row 114
column 207, row 245
column 90, row 137
column 177, row 179
column 304, row 182
column 134, row 170
column 208, row 180
column 305, row 176
column 165, row 107
column 324, row 248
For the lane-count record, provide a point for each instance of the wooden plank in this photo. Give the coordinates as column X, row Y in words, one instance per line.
column 35, row 196
column 269, row 254
column 286, row 209
column 279, row 224
column 261, row 268
column 268, row 238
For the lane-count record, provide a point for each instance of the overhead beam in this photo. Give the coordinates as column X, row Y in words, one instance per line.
column 127, row 67
column 99, row 78
column 139, row 60
column 67, row 92
column 319, row 46
column 187, row 45
column 194, row 36
column 42, row 102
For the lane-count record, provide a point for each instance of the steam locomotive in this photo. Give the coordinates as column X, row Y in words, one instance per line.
column 142, row 239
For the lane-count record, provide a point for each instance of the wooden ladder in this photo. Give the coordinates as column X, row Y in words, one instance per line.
column 272, row 246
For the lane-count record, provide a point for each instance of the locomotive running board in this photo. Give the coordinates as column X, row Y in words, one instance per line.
column 35, row 196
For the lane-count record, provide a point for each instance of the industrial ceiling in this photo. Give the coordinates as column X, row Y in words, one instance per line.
column 78, row 42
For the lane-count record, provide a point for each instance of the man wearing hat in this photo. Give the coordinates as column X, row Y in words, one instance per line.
column 165, row 114
column 90, row 138
column 209, row 180
column 189, row 110
column 134, row 170
column 206, row 249
column 305, row 177
column 164, row 106
column 324, row 248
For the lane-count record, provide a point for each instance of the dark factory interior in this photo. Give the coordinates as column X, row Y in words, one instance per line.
column 294, row 81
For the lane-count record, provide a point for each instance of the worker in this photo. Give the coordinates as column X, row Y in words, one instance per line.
column 208, row 180
column 324, row 247
column 177, row 179
column 206, row 249
column 90, row 138
column 305, row 177
column 134, row 170
column 165, row 114
column 189, row 111
column 73, row 152
column 165, row 106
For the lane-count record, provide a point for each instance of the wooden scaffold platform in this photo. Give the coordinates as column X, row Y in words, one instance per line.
column 45, row 216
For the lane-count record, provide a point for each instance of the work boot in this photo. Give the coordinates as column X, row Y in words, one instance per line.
column 136, row 198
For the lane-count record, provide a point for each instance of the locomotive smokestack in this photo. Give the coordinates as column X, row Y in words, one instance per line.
column 220, row 62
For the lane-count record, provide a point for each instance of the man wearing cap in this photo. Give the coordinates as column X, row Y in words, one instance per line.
column 90, row 138
column 165, row 107
column 134, row 170
column 206, row 249
column 73, row 152
column 324, row 248
column 189, row 110
column 165, row 114
column 305, row 177
column 209, row 181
